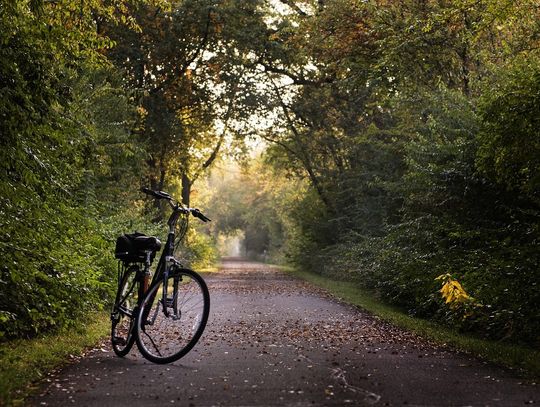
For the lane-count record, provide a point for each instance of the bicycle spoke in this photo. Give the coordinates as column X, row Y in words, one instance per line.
column 193, row 307
column 153, row 343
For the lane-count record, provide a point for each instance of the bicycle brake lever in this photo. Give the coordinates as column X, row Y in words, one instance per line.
column 198, row 214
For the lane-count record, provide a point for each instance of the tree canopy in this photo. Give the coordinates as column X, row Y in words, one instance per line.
column 402, row 145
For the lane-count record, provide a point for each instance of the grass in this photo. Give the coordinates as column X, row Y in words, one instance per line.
column 24, row 362
column 525, row 360
column 209, row 269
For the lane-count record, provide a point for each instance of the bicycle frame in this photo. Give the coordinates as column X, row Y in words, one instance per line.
column 167, row 261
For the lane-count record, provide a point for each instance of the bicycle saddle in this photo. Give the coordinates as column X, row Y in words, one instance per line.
column 144, row 243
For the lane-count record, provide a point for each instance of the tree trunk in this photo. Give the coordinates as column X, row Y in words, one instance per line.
column 156, row 184
column 186, row 189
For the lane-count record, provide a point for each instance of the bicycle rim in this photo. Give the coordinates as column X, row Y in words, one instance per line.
column 123, row 314
column 168, row 330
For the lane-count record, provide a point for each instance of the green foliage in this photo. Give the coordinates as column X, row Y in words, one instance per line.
column 510, row 140
column 456, row 221
column 452, row 220
column 199, row 250
column 253, row 205
column 417, row 129
column 60, row 138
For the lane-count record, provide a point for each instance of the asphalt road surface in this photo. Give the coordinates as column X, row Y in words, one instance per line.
column 273, row 340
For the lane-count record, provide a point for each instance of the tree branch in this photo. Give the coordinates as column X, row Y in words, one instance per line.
column 302, row 156
column 183, row 68
column 297, row 80
column 217, row 148
column 295, row 7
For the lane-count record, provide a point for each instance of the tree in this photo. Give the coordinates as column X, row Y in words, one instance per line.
column 381, row 112
column 510, row 138
column 187, row 63
column 55, row 148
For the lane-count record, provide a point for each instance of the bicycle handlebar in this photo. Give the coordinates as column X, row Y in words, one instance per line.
column 198, row 214
column 164, row 195
column 156, row 194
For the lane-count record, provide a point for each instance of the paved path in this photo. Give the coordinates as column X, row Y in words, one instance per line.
column 273, row 340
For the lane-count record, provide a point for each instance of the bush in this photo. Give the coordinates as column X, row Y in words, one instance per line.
column 454, row 220
column 198, row 250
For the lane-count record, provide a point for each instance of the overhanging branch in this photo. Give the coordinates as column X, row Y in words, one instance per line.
column 297, row 80
column 176, row 73
column 295, row 7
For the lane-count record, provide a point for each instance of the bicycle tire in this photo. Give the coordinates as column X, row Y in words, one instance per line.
column 123, row 314
column 166, row 334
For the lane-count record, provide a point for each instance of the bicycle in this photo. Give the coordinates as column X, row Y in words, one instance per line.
column 166, row 315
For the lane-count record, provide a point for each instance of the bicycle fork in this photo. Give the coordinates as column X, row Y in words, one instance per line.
column 172, row 301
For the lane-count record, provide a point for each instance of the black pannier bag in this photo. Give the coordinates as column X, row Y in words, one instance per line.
column 131, row 247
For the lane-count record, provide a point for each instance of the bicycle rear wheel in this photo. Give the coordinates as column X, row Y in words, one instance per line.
column 123, row 313
column 168, row 328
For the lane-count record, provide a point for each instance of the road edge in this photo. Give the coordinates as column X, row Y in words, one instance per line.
column 523, row 362
column 24, row 363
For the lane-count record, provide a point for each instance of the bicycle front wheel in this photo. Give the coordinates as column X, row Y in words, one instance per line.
column 172, row 316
